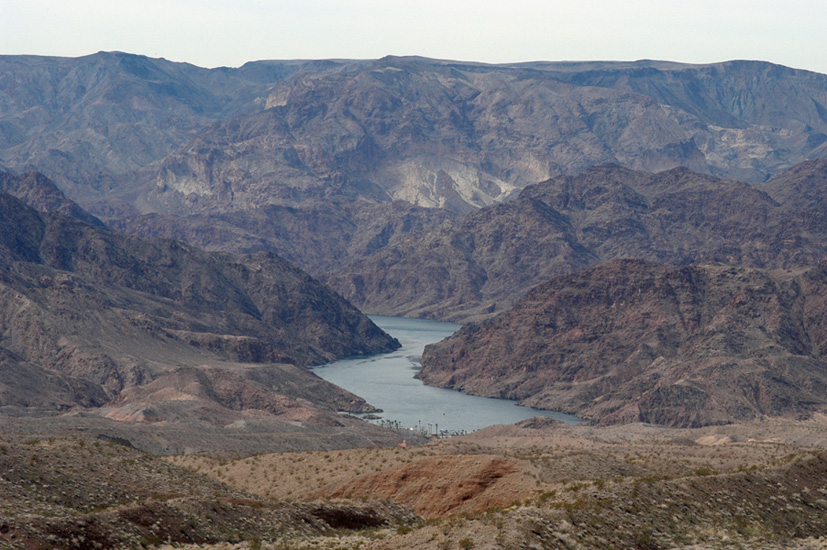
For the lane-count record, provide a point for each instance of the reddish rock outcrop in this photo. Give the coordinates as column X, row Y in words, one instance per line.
column 439, row 486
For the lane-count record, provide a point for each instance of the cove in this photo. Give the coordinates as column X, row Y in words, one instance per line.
column 387, row 382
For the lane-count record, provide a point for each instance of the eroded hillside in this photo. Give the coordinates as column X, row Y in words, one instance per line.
column 630, row 341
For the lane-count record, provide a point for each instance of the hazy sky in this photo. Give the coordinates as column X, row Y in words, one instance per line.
column 214, row 33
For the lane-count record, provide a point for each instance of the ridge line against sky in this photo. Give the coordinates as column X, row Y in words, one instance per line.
column 213, row 33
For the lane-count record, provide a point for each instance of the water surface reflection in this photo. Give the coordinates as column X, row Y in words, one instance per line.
column 387, row 381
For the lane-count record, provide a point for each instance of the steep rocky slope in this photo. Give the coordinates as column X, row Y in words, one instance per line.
column 802, row 187
column 736, row 101
column 631, row 341
column 319, row 238
column 306, row 159
column 28, row 386
column 39, row 192
column 395, row 258
column 255, row 307
column 488, row 260
column 90, row 122
column 460, row 136
column 434, row 133
column 93, row 315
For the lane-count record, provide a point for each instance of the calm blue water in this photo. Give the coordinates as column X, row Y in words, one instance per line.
column 387, row 381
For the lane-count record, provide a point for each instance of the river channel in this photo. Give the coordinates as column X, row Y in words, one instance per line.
column 387, row 381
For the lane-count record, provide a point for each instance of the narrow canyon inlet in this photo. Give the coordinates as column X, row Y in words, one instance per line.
column 387, row 382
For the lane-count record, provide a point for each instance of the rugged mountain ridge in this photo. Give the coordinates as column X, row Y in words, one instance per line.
column 435, row 133
column 631, row 341
column 314, row 160
column 319, row 238
column 158, row 330
column 249, row 307
column 489, row 259
column 395, row 258
column 90, row 122
column 39, row 192
column 461, row 136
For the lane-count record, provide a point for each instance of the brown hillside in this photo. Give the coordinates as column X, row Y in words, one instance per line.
column 170, row 333
column 491, row 258
column 435, row 487
column 631, row 341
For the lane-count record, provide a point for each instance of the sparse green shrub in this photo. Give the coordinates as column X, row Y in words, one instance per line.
column 150, row 540
column 705, row 471
column 644, row 540
column 545, row 496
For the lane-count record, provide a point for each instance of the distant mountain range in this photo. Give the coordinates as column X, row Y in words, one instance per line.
column 325, row 162
column 174, row 138
column 412, row 187
column 463, row 136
